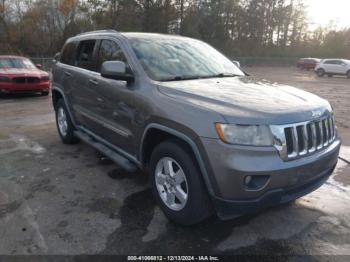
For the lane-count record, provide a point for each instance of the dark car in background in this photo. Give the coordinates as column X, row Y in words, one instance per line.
column 308, row 63
column 20, row 75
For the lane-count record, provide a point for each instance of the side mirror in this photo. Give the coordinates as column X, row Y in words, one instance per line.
column 237, row 63
column 39, row 66
column 116, row 70
column 56, row 57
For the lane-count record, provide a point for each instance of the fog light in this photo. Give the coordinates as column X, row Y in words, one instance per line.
column 247, row 180
column 256, row 183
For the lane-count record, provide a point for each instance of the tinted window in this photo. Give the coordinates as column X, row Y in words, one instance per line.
column 68, row 54
column 333, row 62
column 109, row 51
column 85, row 56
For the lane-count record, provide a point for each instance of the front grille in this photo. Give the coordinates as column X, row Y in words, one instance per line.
column 306, row 138
column 26, row 80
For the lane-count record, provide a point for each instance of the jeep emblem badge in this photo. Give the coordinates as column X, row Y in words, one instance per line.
column 316, row 113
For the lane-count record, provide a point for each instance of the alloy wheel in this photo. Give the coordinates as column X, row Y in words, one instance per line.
column 171, row 183
column 62, row 121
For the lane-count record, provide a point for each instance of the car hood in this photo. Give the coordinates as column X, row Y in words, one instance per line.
column 247, row 100
column 11, row 72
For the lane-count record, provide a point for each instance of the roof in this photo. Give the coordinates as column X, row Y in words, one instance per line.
column 149, row 35
column 129, row 34
column 12, row 56
column 334, row 59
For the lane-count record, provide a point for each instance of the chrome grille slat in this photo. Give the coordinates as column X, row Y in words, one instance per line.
column 333, row 127
column 319, row 126
column 305, row 138
column 295, row 141
column 327, row 132
column 314, row 139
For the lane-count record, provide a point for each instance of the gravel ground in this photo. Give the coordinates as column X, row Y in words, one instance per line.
column 60, row 199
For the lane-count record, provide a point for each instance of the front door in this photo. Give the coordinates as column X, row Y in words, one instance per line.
column 115, row 108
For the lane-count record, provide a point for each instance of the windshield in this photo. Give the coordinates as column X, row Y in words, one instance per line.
column 178, row 59
column 18, row 63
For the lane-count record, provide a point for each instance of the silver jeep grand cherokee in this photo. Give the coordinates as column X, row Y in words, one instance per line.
column 212, row 139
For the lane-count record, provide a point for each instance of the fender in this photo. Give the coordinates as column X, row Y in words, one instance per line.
column 190, row 142
column 66, row 103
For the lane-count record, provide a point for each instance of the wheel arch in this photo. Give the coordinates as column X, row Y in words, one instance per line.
column 57, row 94
column 163, row 133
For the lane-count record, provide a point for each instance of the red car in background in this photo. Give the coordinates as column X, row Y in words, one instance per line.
column 308, row 63
column 20, row 75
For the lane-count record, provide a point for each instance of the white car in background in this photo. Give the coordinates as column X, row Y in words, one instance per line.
column 332, row 67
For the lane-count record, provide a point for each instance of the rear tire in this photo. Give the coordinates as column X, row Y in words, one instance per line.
column 45, row 93
column 348, row 74
column 193, row 204
column 64, row 124
column 321, row 72
column 330, row 75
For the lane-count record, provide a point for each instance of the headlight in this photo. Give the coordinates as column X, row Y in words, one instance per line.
column 254, row 135
column 45, row 78
column 4, row 79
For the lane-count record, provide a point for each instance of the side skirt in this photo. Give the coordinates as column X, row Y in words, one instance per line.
column 116, row 157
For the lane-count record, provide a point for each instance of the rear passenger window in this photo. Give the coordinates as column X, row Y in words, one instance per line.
column 332, row 62
column 68, row 53
column 85, row 56
column 109, row 51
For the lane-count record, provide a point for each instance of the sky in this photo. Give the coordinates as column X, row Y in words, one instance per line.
column 321, row 12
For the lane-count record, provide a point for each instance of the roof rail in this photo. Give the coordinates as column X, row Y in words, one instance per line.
column 99, row 31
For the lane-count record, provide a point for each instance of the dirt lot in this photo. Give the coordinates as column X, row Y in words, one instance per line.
column 59, row 199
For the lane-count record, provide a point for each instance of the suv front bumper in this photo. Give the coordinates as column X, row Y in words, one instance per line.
column 287, row 180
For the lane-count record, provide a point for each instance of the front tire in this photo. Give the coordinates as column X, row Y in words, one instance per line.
column 177, row 184
column 64, row 124
column 321, row 72
column 348, row 74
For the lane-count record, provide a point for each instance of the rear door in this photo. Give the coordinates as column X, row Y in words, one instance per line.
column 62, row 72
column 83, row 97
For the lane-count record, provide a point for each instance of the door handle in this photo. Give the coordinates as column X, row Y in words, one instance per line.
column 67, row 73
column 93, row 81
column 101, row 103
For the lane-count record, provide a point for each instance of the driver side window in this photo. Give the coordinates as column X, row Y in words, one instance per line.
column 109, row 51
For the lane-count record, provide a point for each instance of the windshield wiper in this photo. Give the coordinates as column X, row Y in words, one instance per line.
column 221, row 75
column 179, row 78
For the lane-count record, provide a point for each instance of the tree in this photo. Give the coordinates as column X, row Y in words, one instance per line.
column 237, row 27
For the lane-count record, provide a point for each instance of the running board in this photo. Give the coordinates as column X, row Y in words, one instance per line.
column 114, row 156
